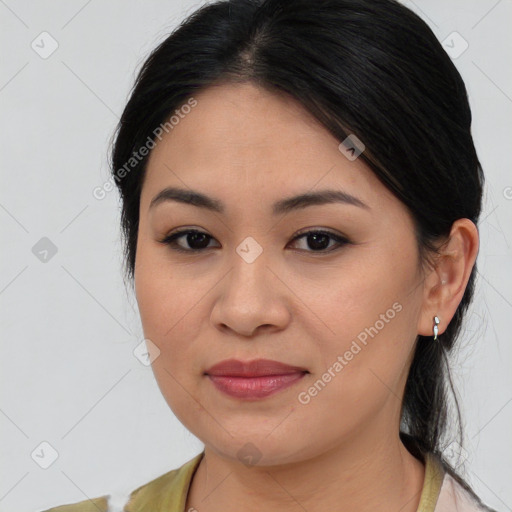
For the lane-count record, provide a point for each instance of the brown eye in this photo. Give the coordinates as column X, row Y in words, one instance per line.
column 318, row 241
column 196, row 240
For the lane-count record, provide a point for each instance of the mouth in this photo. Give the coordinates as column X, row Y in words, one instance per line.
column 253, row 380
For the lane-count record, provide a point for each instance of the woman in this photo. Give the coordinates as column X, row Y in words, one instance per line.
column 300, row 197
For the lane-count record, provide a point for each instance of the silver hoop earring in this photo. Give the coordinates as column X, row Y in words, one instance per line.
column 436, row 330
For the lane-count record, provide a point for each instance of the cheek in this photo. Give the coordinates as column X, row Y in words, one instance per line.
column 166, row 314
column 166, row 307
column 157, row 291
column 363, row 371
column 371, row 312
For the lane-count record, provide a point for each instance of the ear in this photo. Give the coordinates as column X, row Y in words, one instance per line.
column 446, row 282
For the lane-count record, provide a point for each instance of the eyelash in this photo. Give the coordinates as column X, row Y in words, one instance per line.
column 172, row 238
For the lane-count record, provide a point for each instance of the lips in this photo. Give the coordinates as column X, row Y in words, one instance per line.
column 255, row 368
column 253, row 380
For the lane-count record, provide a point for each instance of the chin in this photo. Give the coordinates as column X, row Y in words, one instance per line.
column 260, row 450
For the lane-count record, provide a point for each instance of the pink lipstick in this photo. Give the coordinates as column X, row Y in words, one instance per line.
column 253, row 380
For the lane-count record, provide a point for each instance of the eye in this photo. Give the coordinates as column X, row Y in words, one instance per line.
column 197, row 240
column 317, row 240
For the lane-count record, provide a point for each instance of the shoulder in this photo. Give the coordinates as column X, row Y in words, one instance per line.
column 445, row 491
column 453, row 496
column 162, row 493
column 106, row 503
column 93, row 505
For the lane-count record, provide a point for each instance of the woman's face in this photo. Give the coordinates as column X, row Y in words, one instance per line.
column 344, row 313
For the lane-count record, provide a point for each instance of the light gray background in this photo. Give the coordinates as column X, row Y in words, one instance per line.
column 69, row 376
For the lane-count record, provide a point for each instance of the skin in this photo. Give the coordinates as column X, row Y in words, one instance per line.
column 248, row 148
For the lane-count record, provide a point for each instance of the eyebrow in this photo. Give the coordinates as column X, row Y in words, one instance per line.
column 195, row 198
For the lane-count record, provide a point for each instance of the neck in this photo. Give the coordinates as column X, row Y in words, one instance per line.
column 372, row 473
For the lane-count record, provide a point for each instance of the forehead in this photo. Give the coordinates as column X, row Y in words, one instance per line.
column 232, row 118
column 242, row 138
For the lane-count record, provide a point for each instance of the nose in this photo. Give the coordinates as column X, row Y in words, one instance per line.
column 251, row 298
